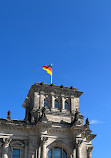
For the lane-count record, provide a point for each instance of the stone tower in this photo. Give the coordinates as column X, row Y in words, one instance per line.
column 52, row 127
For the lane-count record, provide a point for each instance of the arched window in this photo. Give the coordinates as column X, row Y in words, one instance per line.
column 45, row 102
column 56, row 104
column 57, row 153
column 66, row 105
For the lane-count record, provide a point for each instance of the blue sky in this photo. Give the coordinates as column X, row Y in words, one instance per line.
column 75, row 36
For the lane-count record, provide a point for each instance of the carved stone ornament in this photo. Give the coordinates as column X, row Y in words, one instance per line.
column 76, row 117
column 9, row 115
column 89, row 149
column 87, row 123
column 6, row 141
column 79, row 142
column 42, row 140
column 43, row 111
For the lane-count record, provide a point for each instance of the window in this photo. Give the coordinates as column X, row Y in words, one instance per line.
column 66, row 105
column 57, row 153
column 50, row 154
column 56, row 104
column 45, row 102
column 16, row 153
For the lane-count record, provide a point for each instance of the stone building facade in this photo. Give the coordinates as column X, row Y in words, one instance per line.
column 52, row 127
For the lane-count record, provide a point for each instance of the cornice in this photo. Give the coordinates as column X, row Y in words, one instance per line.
column 52, row 90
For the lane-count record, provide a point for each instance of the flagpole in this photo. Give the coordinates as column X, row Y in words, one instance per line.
column 51, row 76
column 51, row 79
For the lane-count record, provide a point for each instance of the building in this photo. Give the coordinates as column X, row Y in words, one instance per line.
column 52, row 127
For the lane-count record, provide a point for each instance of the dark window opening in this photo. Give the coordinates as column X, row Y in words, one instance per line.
column 56, row 104
column 16, row 153
column 45, row 102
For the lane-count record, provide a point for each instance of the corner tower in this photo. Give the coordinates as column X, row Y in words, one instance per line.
column 57, row 109
column 52, row 126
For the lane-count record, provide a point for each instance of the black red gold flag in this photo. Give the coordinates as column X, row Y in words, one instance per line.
column 48, row 68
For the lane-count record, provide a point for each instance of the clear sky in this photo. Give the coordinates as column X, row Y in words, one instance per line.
column 73, row 35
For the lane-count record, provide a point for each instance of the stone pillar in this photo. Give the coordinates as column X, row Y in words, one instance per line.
column 30, row 153
column 74, row 153
column 32, row 147
column 39, row 148
column 1, row 149
column 26, row 149
column 36, row 153
column 36, row 101
column 79, row 152
column 72, row 104
column 39, row 152
column 44, row 147
column 62, row 102
column 89, row 150
column 52, row 101
column 79, row 149
column 44, row 150
column 76, row 104
column 41, row 100
column 5, row 147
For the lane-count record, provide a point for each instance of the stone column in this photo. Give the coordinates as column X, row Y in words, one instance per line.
column 36, row 153
column 36, row 101
column 41, row 99
column 32, row 147
column 39, row 152
column 30, row 153
column 44, row 150
column 76, row 104
column 5, row 147
column 62, row 102
column 26, row 149
column 74, row 153
column 89, row 150
column 44, row 147
column 39, row 148
column 52, row 101
column 72, row 104
column 79, row 149
column 1, row 149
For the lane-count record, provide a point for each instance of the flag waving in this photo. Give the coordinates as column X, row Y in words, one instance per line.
column 48, row 68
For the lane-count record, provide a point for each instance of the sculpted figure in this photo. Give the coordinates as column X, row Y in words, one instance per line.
column 8, row 114
column 76, row 116
column 87, row 122
column 43, row 111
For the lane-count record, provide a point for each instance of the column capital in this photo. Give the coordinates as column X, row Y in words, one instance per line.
column 72, row 96
column 52, row 93
column 62, row 95
column 36, row 94
column 44, row 139
column 89, row 149
column 41, row 92
column 6, row 141
column 79, row 142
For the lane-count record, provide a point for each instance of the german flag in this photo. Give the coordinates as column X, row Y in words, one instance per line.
column 48, row 68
